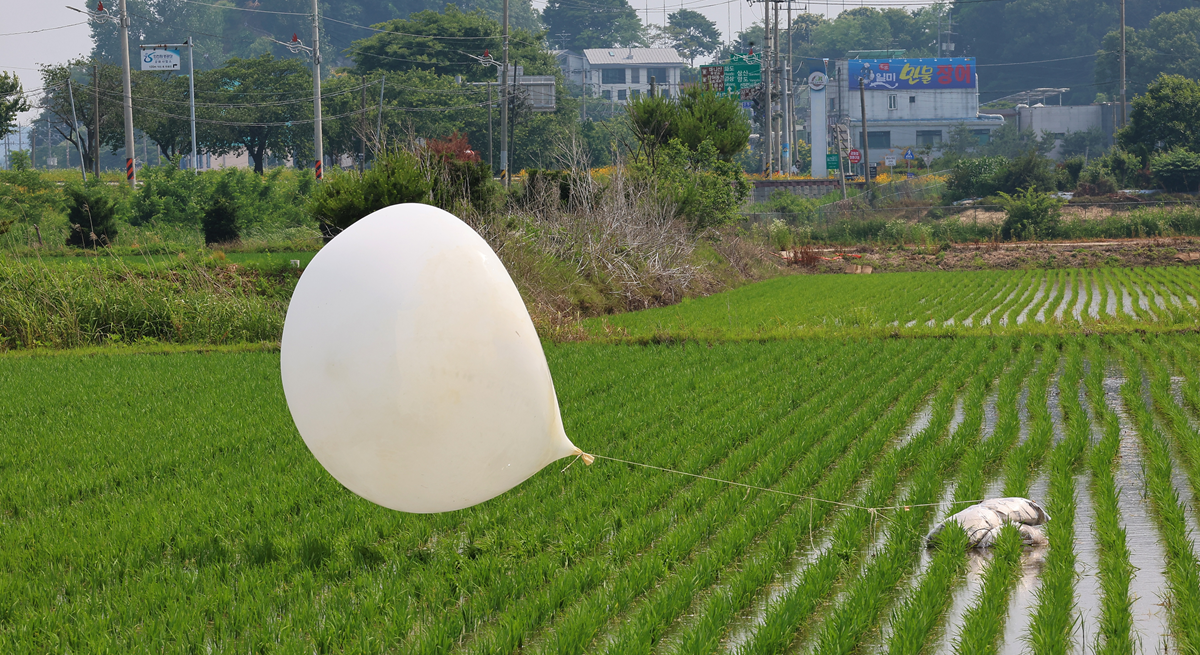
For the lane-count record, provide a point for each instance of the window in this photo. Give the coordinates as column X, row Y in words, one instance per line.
column 912, row 100
column 635, row 76
column 620, row 94
column 606, row 94
column 983, row 136
column 1058, row 136
column 612, row 76
column 891, row 102
column 876, row 139
column 929, row 137
column 660, row 76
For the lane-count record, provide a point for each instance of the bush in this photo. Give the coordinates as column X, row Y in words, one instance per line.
column 1123, row 167
column 169, row 195
column 796, row 210
column 1027, row 171
column 1030, row 214
column 345, row 197
column 973, row 178
column 702, row 189
column 1068, row 173
column 1095, row 182
column 220, row 223
column 1178, row 170
column 91, row 214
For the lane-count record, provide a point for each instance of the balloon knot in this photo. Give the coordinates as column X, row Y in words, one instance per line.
column 587, row 459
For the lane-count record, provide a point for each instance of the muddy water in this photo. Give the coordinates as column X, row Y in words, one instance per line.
column 1068, row 290
column 961, row 599
column 1024, row 598
column 1094, row 308
column 990, row 411
column 1144, row 301
column 987, row 320
column 1041, row 292
column 959, row 415
column 1126, row 300
column 1081, row 299
column 1148, row 586
column 1087, row 566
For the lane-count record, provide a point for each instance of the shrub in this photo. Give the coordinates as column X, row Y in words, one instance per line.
column 169, row 195
column 221, row 222
column 1027, row 171
column 91, row 214
column 973, row 178
column 1123, row 167
column 1095, row 182
column 701, row 188
column 1030, row 214
column 1178, row 170
column 1068, row 173
column 345, row 197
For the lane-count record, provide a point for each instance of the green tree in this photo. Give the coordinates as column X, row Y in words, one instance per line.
column 1030, row 214
column 12, row 102
column 259, row 105
column 703, row 190
column 91, row 214
column 1169, row 45
column 595, row 24
column 397, row 177
column 698, row 117
column 1167, row 116
column 1177, row 169
column 57, row 108
column 161, row 102
column 397, row 49
column 692, row 35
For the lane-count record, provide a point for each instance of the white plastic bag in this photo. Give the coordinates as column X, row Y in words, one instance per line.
column 983, row 522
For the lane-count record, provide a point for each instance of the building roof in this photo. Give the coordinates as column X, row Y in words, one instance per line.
column 633, row 56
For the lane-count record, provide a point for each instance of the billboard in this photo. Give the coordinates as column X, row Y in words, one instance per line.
column 901, row 74
column 160, row 60
column 731, row 79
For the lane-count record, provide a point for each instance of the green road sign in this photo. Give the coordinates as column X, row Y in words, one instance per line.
column 832, row 161
column 743, row 58
column 741, row 76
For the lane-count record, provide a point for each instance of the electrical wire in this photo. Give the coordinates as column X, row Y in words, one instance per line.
column 279, row 103
column 47, row 29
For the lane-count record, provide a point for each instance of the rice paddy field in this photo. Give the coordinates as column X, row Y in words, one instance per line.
column 1033, row 301
column 165, row 502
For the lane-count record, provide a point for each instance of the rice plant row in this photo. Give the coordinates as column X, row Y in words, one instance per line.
column 1035, row 301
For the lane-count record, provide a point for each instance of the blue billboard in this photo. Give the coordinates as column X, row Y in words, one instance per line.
column 901, row 74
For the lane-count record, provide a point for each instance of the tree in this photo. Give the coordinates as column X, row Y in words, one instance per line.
column 1166, row 117
column 692, row 35
column 161, row 112
column 595, row 24
column 12, row 102
column 1170, row 45
column 396, row 49
column 1178, row 169
column 57, row 107
column 261, row 105
column 698, row 117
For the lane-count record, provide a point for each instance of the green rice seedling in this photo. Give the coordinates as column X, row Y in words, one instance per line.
column 1115, row 573
column 1054, row 620
column 1182, row 567
column 983, row 623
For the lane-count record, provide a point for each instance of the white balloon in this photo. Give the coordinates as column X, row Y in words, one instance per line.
column 412, row 368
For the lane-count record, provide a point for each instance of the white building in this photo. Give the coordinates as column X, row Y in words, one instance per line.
column 909, row 102
column 620, row 74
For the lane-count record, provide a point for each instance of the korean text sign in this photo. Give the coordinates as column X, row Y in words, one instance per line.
column 901, row 74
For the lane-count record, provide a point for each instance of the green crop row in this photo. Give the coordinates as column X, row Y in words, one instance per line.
column 960, row 303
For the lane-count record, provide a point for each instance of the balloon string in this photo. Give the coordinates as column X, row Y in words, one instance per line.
column 872, row 510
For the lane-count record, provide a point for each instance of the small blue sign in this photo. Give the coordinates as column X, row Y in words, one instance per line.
column 911, row 175
column 908, row 154
column 746, row 104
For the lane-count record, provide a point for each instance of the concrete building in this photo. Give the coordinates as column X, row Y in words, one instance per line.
column 574, row 66
column 910, row 102
column 620, row 74
column 1057, row 121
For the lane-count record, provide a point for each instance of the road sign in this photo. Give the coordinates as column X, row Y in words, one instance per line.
column 160, row 60
column 833, row 162
column 912, row 175
column 854, row 156
column 817, row 81
column 736, row 58
column 908, row 154
column 928, row 158
column 889, row 161
column 712, row 78
column 747, row 104
column 873, row 170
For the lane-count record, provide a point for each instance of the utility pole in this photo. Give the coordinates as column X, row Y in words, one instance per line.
column 379, row 119
column 318, row 145
column 789, row 114
column 504, row 172
column 130, row 174
column 75, row 127
column 778, row 125
column 766, row 75
column 96, row 120
column 1123, row 113
column 491, row 157
column 32, row 145
column 862, row 99
column 362, row 122
column 192, row 104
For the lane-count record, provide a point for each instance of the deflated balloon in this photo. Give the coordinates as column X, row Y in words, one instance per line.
column 411, row 366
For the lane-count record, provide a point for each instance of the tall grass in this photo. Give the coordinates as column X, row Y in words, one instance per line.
column 64, row 307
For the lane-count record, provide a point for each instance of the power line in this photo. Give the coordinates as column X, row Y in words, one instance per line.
column 256, row 11
column 46, row 29
column 1039, row 61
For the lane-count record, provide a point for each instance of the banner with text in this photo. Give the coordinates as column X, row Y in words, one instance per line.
column 901, row 74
